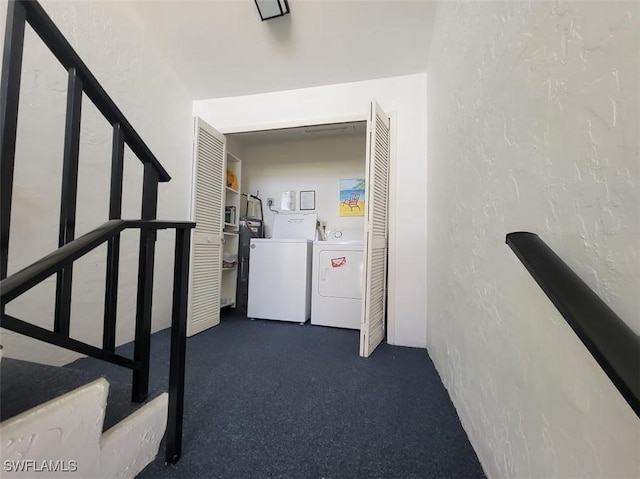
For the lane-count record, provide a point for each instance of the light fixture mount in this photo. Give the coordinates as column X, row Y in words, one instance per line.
column 272, row 8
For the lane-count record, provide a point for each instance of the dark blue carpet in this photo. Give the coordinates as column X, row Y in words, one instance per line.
column 269, row 399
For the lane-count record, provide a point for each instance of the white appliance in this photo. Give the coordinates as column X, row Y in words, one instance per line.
column 338, row 280
column 280, row 270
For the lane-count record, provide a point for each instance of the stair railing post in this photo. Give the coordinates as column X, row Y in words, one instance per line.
column 142, row 345
column 69, row 199
column 113, row 248
column 9, row 99
column 178, row 346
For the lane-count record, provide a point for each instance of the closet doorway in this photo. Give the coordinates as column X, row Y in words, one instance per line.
column 312, row 158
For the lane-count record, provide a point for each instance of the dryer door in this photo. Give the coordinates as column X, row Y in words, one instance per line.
column 340, row 274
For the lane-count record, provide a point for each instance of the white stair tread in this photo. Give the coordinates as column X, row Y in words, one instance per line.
column 67, row 432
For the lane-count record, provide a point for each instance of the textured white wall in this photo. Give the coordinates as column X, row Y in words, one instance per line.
column 112, row 42
column 533, row 125
column 402, row 97
column 311, row 164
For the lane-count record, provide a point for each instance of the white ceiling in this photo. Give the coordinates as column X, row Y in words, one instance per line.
column 222, row 48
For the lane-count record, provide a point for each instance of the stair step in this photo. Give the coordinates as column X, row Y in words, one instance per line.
column 25, row 385
column 68, row 431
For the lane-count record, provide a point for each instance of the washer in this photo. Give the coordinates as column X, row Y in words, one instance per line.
column 337, row 283
column 280, row 270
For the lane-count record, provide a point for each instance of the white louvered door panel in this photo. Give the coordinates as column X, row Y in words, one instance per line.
column 372, row 327
column 208, row 213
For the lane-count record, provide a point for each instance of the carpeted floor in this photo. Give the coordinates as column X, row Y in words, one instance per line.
column 270, row 399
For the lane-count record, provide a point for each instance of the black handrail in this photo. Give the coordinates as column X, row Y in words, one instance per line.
column 607, row 337
column 27, row 278
column 81, row 81
column 22, row 327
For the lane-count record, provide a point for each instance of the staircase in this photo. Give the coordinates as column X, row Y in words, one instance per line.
column 61, row 420
column 54, row 419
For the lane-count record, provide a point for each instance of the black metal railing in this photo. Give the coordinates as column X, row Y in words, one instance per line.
column 611, row 342
column 82, row 82
column 25, row 279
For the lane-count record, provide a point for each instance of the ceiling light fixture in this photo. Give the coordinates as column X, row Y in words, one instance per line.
column 272, row 8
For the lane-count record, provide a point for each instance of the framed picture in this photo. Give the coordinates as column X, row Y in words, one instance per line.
column 308, row 200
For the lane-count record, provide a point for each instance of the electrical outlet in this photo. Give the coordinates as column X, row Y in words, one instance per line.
column 270, row 201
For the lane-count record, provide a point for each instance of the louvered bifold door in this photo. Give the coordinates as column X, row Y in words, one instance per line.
column 372, row 327
column 207, row 212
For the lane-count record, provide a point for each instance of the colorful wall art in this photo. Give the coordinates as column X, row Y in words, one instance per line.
column 352, row 197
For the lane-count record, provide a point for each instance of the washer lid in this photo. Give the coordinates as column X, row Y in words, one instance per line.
column 295, row 226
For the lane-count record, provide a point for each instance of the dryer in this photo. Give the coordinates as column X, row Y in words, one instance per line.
column 337, row 283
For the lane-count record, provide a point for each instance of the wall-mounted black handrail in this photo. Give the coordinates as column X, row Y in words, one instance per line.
column 27, row 278
column 611, row 342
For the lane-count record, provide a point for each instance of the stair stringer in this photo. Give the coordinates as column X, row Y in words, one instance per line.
column 63, row 437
